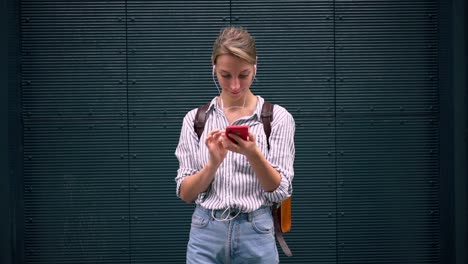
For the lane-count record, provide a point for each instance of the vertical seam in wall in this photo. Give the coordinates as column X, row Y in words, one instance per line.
column 19, row 215
column 335, row 133
column 128, row 135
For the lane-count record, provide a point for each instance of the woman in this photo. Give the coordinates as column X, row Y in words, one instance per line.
column 234, row 184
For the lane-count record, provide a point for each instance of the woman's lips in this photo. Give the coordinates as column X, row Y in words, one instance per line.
column 235, row 93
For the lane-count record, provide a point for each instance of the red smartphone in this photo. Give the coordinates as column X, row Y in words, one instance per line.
column 241, row 131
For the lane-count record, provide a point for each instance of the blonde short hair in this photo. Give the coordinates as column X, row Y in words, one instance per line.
column 235, row 41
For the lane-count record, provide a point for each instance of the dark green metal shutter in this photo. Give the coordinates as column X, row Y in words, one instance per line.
column 169, row 73
column 387, row 132
column 76, row 169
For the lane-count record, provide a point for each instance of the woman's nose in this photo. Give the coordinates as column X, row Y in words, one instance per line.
column 235, row 83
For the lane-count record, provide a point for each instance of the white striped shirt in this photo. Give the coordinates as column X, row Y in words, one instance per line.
column 235, row 184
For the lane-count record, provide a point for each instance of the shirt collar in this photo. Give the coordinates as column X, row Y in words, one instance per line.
column 258, row 109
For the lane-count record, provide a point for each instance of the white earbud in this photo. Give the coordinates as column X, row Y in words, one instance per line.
column 255, row 66
column 214, row 79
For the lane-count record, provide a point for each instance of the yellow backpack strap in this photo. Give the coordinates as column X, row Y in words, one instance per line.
column 285, row 215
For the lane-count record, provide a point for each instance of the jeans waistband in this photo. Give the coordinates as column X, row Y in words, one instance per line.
column 232, row 213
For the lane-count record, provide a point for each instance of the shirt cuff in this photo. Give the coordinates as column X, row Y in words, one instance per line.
column 282, row 192
column 180, row 178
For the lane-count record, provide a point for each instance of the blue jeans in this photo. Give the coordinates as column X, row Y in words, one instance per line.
column 248, row 238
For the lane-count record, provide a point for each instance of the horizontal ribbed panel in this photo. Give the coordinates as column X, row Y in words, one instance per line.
column 314, row 194
column 75, row 132
column 387, row 132
column 170, row 44
column 386, row 56
column 388, row 190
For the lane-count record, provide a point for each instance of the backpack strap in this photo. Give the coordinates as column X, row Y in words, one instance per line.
column 200, row 119
column 267, row 118
column 276, row 213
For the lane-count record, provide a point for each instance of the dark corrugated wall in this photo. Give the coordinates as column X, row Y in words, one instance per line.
column 105, row 86
column 387, row 131
column 75, row 118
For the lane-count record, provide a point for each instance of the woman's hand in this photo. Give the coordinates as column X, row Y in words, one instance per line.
column 245, row 147
column 268, row 176
column 216, row 147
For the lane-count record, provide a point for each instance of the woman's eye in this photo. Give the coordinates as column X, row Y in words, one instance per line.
column 243, row 76
column 226, row 76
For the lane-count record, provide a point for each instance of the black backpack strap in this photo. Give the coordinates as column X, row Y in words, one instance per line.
column 200, row 119
column 267, row 118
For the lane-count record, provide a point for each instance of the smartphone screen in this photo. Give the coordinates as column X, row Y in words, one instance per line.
column 241, row 131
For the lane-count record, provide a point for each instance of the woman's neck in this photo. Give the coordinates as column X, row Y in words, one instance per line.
column 239, row 104
column 242, row 109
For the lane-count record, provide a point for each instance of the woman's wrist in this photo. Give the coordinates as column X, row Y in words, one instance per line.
column 211, row 166
column 254, row 155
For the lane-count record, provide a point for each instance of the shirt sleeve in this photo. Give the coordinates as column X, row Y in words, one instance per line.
column 186, row 150
column 282, row 152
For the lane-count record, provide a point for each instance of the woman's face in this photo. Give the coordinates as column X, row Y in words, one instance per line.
column 235, row 76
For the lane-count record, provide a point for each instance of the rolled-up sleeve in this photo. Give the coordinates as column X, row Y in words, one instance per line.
column 282, row 153
column 186, row 150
